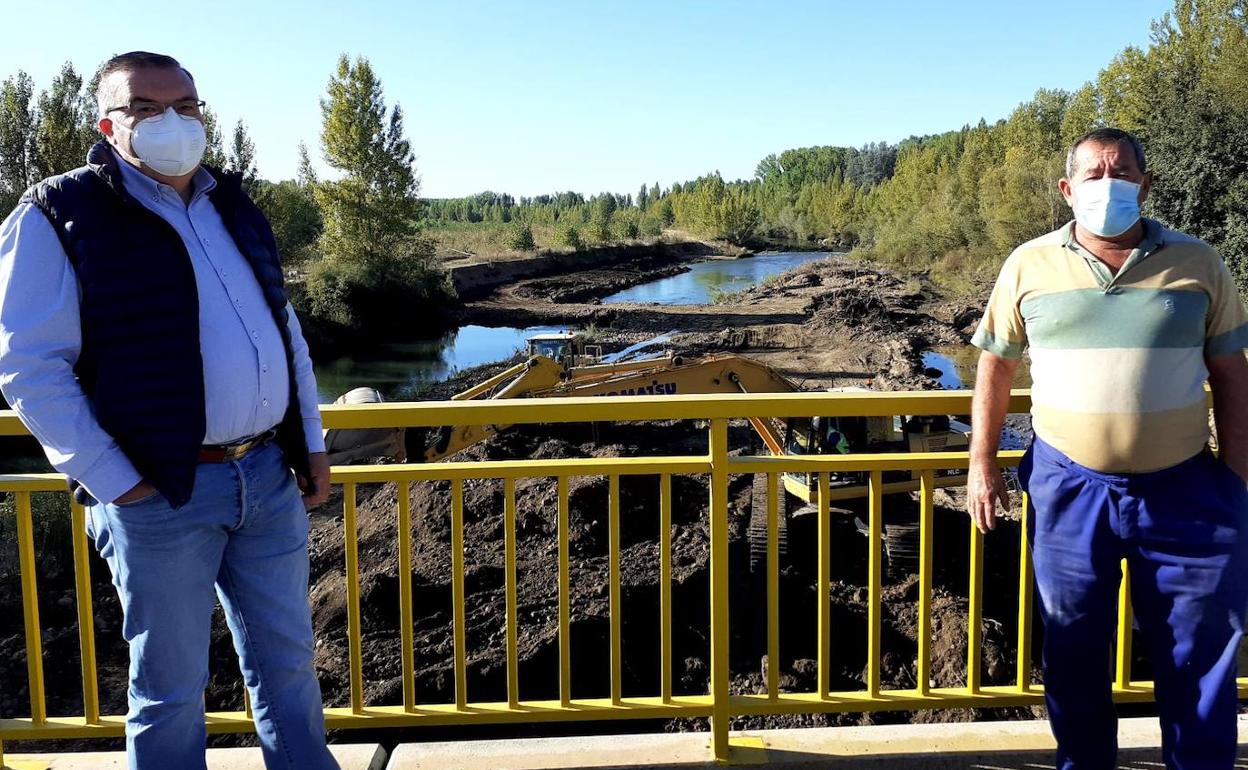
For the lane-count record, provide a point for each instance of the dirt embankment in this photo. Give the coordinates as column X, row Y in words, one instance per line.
column 476, row 279
column 831, row 322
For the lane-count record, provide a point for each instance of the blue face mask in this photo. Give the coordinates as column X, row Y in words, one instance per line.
column 1107, row 207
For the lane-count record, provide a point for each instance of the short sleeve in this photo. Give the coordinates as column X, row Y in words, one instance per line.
column 1002, row 331
column 1226, row 326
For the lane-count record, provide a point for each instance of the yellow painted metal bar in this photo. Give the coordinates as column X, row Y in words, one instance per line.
column 1025, row 589
column 1122, row 673
column 880, row 461
column 407, row 643
column 509, row 575
column 665, row 587
column 86, row 615
column 855, row 491
column 32, row 482
column 613, row 595
column 823, row 663
column 246, row 700
column 875, row 592
column 374, row 717
column 623, row 408
column 518, row 469
column 773, row 585
column 457, row 594
column 974, row 612
column 565, row 601
column 924, row 664
column 351, row 543
column 720, row 709
column 30, row 607
column 626, row 408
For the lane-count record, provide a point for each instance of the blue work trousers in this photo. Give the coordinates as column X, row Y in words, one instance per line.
column 245, row 534
column 1183, row 533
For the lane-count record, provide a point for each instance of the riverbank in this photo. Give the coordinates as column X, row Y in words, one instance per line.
column 832, row 322
column 572, row 276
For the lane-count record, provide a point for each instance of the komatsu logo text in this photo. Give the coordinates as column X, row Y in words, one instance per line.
column 655, row 388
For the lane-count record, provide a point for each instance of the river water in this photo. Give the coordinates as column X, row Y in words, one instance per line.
column 706, row 280
column 401, row 369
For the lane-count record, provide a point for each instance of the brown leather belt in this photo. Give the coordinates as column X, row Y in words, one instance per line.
column 224, row 453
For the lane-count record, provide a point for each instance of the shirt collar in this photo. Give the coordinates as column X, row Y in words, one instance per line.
column 1154, row 237
column 143, row 187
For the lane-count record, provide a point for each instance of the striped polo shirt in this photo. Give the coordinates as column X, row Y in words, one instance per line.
column 1117, row 361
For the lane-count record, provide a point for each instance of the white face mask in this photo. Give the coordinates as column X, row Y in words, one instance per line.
column 1107, row 206
column 171, row 144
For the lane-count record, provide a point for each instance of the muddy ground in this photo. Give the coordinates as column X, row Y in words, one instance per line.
column 830, row 323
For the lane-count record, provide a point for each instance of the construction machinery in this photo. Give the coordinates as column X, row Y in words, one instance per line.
column 562, row 364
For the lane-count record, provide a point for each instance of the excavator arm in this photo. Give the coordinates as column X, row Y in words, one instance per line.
column 541, row 377
column 538, row 373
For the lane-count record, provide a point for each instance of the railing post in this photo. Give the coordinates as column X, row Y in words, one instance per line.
column 1026, row 578
column 1122, row 670
column 720, row 713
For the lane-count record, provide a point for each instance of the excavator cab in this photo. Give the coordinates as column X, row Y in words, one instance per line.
column 821, row 436
column 564, row 348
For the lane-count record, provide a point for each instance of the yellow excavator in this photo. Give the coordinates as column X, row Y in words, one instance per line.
column 561, row 365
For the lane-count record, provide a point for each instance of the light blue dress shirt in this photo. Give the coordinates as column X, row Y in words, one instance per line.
column 245, row 368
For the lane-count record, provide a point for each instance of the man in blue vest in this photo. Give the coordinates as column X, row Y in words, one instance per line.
column 146, row 341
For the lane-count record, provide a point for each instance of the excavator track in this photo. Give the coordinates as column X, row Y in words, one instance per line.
column 757, row 531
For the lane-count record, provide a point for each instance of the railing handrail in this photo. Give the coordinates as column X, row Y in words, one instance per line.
column 432, row 414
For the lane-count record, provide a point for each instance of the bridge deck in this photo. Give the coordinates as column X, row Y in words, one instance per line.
column 948, row 746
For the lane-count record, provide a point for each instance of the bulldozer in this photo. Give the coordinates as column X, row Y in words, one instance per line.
column 563, row 364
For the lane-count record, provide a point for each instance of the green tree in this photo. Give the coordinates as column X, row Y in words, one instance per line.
column 306, row 174
column 294, row 216
column 17, row 139
column 375, row 258
column 214, row 149
column 571, row 237
column 667, row 215
column 521, row 236
column 643, row 196
column 62, row 137
column 599, row 230
column 242, row 158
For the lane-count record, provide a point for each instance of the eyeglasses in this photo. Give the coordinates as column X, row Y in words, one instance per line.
column 141, row 109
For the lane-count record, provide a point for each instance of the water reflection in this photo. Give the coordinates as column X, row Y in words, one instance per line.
column 401, row 369
column 956, row 367
column 706, row 280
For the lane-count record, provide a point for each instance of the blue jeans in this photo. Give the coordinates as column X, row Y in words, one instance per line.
column 1183, row 533
column 245, row 531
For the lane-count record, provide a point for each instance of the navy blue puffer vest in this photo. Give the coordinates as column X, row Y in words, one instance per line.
column 140, row 362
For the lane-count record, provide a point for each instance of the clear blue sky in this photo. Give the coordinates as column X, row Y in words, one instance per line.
column 529, row 96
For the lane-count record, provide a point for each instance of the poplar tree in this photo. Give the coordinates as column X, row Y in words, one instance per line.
column 372, row 244
column 66, row 125
column 17, row 139
column 242, row 158
column 214, row 150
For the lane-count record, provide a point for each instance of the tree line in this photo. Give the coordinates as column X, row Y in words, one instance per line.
column 951, row 205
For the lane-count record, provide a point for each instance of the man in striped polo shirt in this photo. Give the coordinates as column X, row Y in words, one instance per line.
column 1125, row 321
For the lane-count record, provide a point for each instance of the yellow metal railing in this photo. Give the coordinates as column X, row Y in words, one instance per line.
column 717, row 465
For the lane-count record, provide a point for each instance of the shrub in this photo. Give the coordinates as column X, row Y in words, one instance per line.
column 571, row 237
column 599, row 230
column 521, row 237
